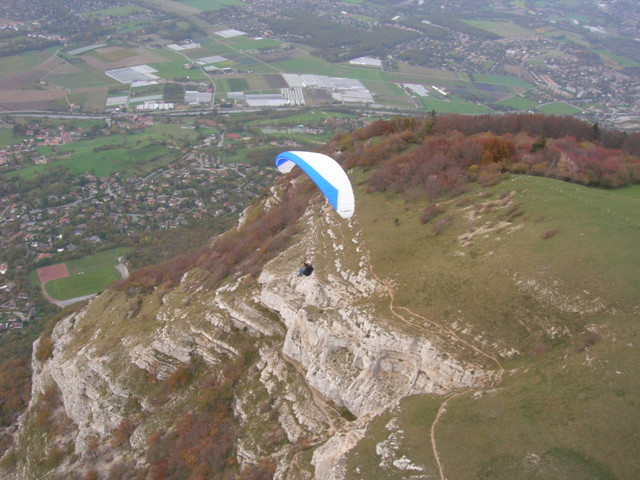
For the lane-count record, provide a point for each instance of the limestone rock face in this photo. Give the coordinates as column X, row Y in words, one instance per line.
column 356, row 354
column 325, row 343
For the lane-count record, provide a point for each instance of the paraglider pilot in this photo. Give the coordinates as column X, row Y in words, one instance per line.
column 306, row 270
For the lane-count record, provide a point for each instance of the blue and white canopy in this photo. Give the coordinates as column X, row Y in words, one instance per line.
column 327, row 174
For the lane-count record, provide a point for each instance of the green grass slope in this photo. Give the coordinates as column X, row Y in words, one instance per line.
column 543, row 276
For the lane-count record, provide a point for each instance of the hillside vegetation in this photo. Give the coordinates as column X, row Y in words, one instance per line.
column 500, row 240
column 540, row 274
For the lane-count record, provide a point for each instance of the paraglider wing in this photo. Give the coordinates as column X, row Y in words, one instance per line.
column 327, row 174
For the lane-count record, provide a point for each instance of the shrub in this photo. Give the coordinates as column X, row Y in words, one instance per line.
column 430, row 212
column 586, row 341
column 178, row 378
column 45, row 349
column 441, row 225
column 489, row 175
column 123, row 432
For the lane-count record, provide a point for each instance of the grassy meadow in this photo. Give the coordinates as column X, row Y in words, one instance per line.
column 7, row 137
column 546, row 270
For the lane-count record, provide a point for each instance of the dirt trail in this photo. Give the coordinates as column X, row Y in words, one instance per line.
column 441, row 411
column 417, row 322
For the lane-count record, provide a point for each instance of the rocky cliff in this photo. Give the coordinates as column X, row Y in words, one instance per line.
column 332, row 353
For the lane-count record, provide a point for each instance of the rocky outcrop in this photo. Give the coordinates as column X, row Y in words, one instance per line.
column 330, row 354
column 351, row 351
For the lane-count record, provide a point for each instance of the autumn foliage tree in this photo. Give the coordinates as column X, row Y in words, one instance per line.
column 457, row 149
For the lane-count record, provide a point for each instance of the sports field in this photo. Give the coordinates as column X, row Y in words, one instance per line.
column 82, row 277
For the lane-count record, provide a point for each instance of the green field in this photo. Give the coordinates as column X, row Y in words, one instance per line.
column 618, row 59
column 519, row 103
column 240, row 155
column 176, row 70
column 87, row 276
column 558, row 108
column 82, row 79
column 15, row 64
column 384, row 88
column 113, row 12
column 503, row 29
column 243, row 43
column 93, row 101
column 224, row 85
column 208, row 5
column 208, row 48
column 599, row 220
column 114, row 55
column 138, row 153
column 177, row 8
column 7, row 138
column 570, row 407
column 457, row 106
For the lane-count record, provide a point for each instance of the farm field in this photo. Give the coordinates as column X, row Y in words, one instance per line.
column 15, row 64
column 619, row 60
column 177, row 8
column 87, row 276
column 113, row 55
column 458, row 106
column 208, row 5
column 558, row 108
column 176, row 70
column 244, row 58
column 243, row 43
column 78, row 76
column 503, row 29
column 519, row 103
column 170, row 66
